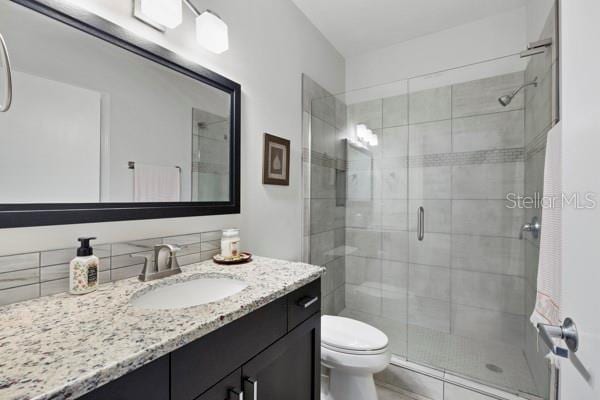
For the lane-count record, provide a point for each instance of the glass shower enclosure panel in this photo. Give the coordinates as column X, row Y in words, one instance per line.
column 471, row 276
column 370, row 142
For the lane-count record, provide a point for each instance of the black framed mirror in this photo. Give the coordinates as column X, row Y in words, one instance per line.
column 107, row 126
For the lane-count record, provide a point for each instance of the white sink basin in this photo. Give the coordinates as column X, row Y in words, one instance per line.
column 189, row 293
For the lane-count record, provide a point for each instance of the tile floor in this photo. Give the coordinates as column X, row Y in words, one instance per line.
column 487, row 361
column 386, row 393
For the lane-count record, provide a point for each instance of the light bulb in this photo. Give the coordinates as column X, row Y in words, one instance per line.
column 168, row 13
column 212, row 32
column 373, row 140
column 362, row 131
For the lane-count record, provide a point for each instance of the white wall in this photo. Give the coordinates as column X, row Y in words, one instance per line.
column 489, row 38
column 271, row 44
column 55, row 127
column 580, row 85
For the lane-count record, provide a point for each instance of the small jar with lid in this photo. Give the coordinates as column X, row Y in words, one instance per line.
column 230, row 244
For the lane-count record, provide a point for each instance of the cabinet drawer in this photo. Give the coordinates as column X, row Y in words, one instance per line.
column 290, row 369
column 201, row 364
column 303, row 303
column 150, row 382
column 221, row 390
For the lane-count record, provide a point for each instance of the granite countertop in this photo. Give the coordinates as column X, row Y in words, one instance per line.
column 64, row 346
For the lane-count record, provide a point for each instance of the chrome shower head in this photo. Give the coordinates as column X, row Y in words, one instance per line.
column 507, row 98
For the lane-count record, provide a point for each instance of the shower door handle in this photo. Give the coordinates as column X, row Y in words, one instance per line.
column 420, row 223
column 5, row 61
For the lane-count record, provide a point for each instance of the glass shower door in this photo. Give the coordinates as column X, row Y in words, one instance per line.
column 471, row 280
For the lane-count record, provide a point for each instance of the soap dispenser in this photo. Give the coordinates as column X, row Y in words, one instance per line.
column 83, row 270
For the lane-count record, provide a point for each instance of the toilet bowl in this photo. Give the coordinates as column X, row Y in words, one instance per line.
column 353, row 351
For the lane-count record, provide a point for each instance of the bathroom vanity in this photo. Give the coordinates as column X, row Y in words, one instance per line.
column 263, row 341
column 275, row 348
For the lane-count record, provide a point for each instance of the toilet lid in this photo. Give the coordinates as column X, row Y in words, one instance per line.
column 350, row 334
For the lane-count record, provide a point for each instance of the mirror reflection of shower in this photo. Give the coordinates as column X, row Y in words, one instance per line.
column 507, row 98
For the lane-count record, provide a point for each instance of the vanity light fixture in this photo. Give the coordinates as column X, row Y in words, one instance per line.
column 366, row 135
column 212, row 32
column 160, row 14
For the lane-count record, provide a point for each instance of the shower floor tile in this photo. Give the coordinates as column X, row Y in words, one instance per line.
column 490, row 362
column 487, row 361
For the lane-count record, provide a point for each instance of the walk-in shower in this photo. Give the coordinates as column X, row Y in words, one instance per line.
column 415, row 229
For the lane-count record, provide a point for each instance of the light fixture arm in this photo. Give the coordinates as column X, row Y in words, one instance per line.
column 195, row 11
column 192, row 7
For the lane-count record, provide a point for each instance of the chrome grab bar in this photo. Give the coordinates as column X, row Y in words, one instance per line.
column 7, row 96
column 567, row 332
column 420, row 223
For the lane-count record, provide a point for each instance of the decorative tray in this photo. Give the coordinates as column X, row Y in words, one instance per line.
column 244, row 257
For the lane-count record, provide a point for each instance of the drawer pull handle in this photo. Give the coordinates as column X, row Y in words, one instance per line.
column 251, row 388
column 235, row 394
column 306, row 302
column 5, row 61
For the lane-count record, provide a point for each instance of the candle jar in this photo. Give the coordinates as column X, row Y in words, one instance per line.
column 230, row 244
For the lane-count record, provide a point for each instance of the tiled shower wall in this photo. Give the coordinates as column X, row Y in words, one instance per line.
column 541, row 113
column 31, row 275
column 323, row 162
column 210, row 157
column 455, row 151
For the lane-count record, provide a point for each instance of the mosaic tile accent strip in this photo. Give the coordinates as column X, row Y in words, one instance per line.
column 537, row 144
column 323, row 160
column 469, row 157
column 305, row 154
column 210, row 168
column 31, row 275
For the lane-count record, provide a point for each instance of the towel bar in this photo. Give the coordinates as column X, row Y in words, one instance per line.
column 131, row 165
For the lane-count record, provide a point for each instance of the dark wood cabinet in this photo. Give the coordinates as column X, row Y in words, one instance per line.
column 197, row 366
column 151, row 382
column 303, row 303
column 226, row 389
column 288, row 369
column 273, row 352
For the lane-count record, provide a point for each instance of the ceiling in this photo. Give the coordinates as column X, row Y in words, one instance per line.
column 359, row 26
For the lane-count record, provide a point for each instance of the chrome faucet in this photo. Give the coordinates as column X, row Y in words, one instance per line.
column 533, row 227
column 165, row 263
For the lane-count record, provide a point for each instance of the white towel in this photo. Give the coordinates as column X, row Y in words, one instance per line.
column 547, row 305
column 156, row 184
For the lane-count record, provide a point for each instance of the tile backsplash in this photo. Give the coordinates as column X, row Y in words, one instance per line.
column 43, row 273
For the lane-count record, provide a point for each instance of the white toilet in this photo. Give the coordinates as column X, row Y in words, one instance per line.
column 353, row 351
